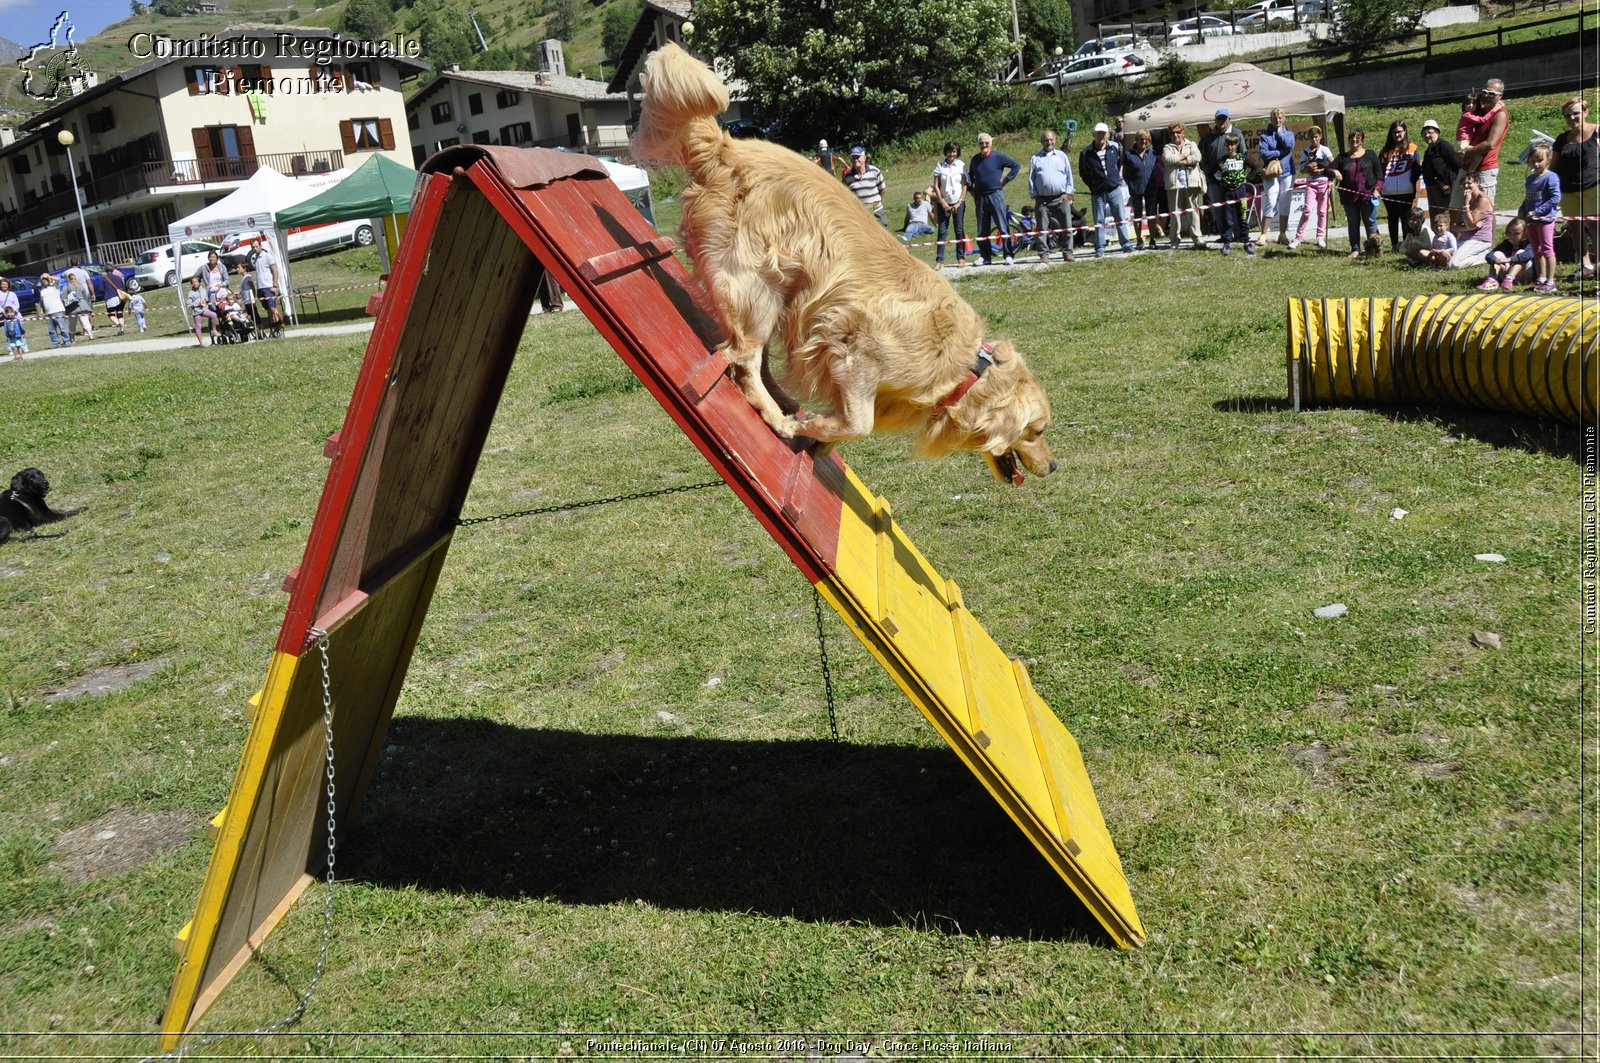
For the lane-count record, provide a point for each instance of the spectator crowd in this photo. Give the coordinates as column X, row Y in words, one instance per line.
column 218, row 313
column 1437, row 200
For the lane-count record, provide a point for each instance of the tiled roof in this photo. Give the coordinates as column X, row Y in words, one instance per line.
column 527, row 81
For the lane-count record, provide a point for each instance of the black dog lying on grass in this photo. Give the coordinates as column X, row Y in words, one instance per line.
column 23, row 508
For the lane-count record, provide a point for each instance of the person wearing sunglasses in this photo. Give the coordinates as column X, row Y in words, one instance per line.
column 1482, row 129
column 1577, row 166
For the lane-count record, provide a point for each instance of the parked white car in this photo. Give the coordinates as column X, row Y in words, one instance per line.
column 1092, row 68
column 306, row 239
column 154, row 268
column 1191, row 29
column 1264, row 13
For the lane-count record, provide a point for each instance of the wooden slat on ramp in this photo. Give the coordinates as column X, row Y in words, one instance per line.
column 401, row 467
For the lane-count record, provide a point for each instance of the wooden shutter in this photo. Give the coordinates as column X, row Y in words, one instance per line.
column 386, row 133
column 347, row 134
column 204, row 167
column 266, row 79
column 192, row 76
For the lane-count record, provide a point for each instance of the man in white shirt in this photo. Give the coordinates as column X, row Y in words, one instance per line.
column 53, row 311
column 269, row 284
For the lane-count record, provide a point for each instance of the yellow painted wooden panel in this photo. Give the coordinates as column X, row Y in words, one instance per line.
column 913, row 621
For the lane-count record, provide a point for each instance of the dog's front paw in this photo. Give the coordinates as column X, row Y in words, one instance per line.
column 786, row 428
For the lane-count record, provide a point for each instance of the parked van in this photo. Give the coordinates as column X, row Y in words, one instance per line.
column 306, row 239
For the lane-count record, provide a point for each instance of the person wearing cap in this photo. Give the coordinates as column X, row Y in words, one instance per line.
column 1439, row 168
column 950, row 202
column 866, row 181
column 1214, row 148
column 1050, row 184
column 1100, row 166
column 988, row 176
column 826, row 159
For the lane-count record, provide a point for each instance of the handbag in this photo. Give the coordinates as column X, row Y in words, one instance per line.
column 1273, row 168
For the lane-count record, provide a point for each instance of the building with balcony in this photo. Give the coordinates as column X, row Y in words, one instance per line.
column 524, row 108
column 169, row 136
column 662, row 21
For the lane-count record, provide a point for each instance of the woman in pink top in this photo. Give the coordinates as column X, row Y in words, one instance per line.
column 1472, row 224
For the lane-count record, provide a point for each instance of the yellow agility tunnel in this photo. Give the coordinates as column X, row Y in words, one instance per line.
column 1530, row 354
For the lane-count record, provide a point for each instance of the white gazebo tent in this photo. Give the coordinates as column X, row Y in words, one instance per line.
column 1249, row 93
column 635, row 182
column 253, row 205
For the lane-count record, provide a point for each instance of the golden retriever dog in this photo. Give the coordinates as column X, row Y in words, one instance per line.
column 787, row 252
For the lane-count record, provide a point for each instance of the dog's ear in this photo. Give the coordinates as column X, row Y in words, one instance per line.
column 994, row 414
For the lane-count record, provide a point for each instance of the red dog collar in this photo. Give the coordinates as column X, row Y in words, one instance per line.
column 980, row 365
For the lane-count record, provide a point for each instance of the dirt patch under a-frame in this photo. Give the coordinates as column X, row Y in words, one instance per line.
column 119, row 841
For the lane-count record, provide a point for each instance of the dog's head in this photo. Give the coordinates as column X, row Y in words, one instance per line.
column 1003, row 417
column 30, row 482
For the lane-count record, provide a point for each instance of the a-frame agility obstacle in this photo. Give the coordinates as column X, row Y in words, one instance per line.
column 401, row 466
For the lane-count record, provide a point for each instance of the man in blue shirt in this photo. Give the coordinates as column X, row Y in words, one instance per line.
column 1050, row 184
column 1100, row 166
column 988, row 174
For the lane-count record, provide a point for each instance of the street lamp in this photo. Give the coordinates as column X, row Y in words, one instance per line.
column 66, row 140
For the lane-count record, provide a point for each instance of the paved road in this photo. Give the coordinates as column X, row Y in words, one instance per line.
column 108, row 342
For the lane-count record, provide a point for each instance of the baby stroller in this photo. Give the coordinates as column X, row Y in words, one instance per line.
column 259, row 318
column 233, row 324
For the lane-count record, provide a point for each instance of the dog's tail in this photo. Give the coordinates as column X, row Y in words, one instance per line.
column 682, row 98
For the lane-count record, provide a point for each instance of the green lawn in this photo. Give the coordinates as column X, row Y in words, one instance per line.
column 608, row 804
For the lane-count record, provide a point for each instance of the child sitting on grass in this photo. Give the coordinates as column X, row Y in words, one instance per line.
column 1419, row 243
column 1444, row 242
column 1511, row 258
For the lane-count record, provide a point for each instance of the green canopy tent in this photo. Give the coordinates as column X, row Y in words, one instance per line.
column 381, row 187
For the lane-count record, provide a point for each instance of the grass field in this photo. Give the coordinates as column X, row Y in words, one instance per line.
column 609, row 804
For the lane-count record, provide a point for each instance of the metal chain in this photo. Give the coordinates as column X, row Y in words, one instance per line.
column 827, row 673
column 300, row 1005
column 465, row 522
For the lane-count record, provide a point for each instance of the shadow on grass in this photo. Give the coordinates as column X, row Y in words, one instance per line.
column 1497, row 428
column 823, row 831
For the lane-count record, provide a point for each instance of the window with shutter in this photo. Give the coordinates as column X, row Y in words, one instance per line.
column 367, row 134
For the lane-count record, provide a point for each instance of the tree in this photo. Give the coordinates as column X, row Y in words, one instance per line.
column 1358, row 25
column 444, row 33
column 1046, row 25
column 564, row 18
column 617, row 26
column 849, row 69
column 366, row 19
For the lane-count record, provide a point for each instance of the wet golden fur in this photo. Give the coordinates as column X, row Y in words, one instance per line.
column 787, row 252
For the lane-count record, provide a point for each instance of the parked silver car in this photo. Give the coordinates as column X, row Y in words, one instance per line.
column 1192, row 29
column 1104, row 67
column 155, row 269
